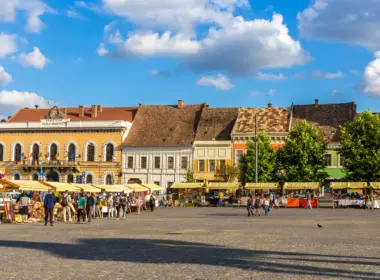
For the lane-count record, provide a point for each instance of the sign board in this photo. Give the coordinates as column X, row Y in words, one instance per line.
column 54, row 122
column 83, row 174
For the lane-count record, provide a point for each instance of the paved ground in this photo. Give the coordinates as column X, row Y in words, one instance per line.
column 199, row 243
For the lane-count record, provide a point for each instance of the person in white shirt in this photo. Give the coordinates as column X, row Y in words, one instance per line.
column 110, row 206
column 266, row 205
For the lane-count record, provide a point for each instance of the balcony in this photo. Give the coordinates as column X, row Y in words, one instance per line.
column 48, row 163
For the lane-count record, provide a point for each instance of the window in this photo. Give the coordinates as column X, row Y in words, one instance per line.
column 109, row 179
column 17, row 153
column 341, row 160
column 212, row 165
column 35, row 177
column 53, row 152
column 89, row 179
column 222, row 165
column 35, row 152
column 16, row 177
column 1, row 152
column 201, row 167
column 184, row 163
column 328, row 159
column 130, row 162
column 143, row 162
column 157, row 163
column 239, row 153
column 91, row 152
column 70, row 178
column 109, row 152
column 170, row 162
column 72, row 152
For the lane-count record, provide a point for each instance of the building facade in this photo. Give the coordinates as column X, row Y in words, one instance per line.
column 80, row 145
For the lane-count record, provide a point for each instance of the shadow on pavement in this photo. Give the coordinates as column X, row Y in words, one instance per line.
column 170, row 251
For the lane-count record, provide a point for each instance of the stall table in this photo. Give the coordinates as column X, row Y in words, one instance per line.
column 298, row 186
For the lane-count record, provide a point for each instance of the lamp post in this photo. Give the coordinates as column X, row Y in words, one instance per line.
column 257, row 150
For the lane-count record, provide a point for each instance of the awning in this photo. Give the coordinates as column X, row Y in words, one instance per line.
column 301, row 185
column 110, row 188
column 375, row 185
column 334, row 173
column 348, row 185
column 62, row 187
column 137, row 187
column 153, row 187
column 87, row 188
column 222, row 186
column 186, row 186
column 261, row 186
column 24, row 185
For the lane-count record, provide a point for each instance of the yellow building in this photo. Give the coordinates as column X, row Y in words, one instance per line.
column 66, row 145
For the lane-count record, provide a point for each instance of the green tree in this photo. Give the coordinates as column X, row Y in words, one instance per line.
column 267, row 166
column 360, row 147
column 227, row 174
column 303, row 155
column 189, row 176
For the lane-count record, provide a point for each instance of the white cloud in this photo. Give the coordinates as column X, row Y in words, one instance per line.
column 73, row 14
column 337, row 75
column 90, row 6
column 159, row 73
column 220, row 82
column 350, row 21
column 272, row 92
column 33, row 59
column 5, row 77
column 115, row 38
column 33, row 9
column 109, row 26
column 102, row 51
column 370, row 83
column 316, row 74
column 336, row 93
column 270, row 77
column 254, row 93
column 8, row 44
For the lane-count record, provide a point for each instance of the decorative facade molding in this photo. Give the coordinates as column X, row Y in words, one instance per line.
column 4, row 150
column 13, row 149
column 104, row 150
column 48, row 146
column 105, row 174
column 94, row 179
column 95, row 150
column 34, row 172
column 14, row 172
column 67, row 145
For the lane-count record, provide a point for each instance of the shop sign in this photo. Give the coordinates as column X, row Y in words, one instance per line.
column 54, row 122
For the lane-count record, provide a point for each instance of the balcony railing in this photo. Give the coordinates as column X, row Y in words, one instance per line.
column 62, row 163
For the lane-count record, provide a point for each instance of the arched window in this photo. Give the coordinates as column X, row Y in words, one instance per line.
column 90, row 152
column 72, row 152
column 70, row 178
column 16, row 177
column 35, row 152
column 1, row 152
column 89, row 179
column 17, row 153
column 53, row 152
column 109, row 179
column 35, row 177
column 109, row 152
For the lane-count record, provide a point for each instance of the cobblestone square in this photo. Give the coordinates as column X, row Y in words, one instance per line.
column 199, row 243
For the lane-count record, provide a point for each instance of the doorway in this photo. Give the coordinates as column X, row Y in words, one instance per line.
column 52, row 176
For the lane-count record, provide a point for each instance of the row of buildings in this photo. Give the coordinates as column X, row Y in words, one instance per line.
column 149, row 143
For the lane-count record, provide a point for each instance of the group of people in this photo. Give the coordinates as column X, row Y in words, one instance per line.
column 254, row 205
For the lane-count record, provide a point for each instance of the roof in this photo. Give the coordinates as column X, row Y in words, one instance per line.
column 216, row 124
column 326, row 116
column 107, row 114
column 268, row 119
column 164, row 126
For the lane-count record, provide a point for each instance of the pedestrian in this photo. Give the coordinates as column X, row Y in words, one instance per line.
column 221, row 197
column 49, row 203
column 274, row 200
column 266, row 205
column 124, row 205
column 66, row 208
column 24, row 201
column 139, row 203
column 152, row 203
column 308, row 200
column 95, row 207
column 71, row 201
column 110, row 206
column 257, row 206
column 117, row 205
column 250, row 206
column 99, row 206
column 89, row 206
column 81, row 207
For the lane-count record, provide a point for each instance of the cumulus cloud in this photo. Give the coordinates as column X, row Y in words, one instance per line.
column 270, row 77
column 33, row 9
column 350, row 21
column 370, row 82
column 5, row 77
column 115, row 38
column 109, row 26
column 257, row 93
column 220, row 82
column 316, row 75
column 160, row 73
column 90, row 6
column 33, row 59
column 8, row 44
column 102, row 51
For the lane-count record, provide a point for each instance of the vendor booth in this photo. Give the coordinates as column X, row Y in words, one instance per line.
column 375, row 195
column 110, row 188
column 62, row 187
column 153, row 188
column 295, row 193
column 189, row 194
column 259, row 189
column 229, row 191
column 87, row 188
column 348, row 194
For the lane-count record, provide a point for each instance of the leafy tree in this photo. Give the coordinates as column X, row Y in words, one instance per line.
column 303, row 155
column 267, row 166
column 360, row 147
column 189, row 176
column 227, row 174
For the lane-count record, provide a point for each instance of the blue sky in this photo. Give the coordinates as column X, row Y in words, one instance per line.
column 225, row 52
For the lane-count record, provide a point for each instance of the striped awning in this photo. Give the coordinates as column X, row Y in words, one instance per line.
column 62, row 187
column 375, row 185
column 348, row 185
column 25, row 185
column 187, row 186
column 301, row 185
column 261, row 186
column 137, row 187
column 153, row 187
column 110, row 188
column 222, row 186
column 87, row 188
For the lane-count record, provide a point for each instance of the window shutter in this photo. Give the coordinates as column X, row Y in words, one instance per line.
column 195, row 165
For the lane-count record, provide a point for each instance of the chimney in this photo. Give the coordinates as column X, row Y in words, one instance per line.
column 100, row 108
column 81, row 111
column 269, row 105
column 36, row 106
column 9, row 117
column 65, row 111
column 180, row 104
column 205, row 105
column 316, row 101
column 140, row 105
column 94, row 111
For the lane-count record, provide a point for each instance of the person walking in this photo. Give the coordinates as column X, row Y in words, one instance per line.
column 70, row 202
column 308, row 200
column 221, row 197
column 250, row 206
column 81, row 207
column 110, row 206
column 116, row 205
column 90, row 202
column 94, row 208
column 139, row 203
column 49, row 203
column 124, row 205
column 152, row 203
column 266, row 205
column 257, row 206
column 66, row 208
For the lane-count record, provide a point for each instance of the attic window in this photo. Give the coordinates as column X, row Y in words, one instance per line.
column 163, row 139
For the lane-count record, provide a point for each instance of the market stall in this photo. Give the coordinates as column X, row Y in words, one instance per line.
column 228, row 189
column 110, row 188
column 348, row 194
column 375, row 194
column 295, row 194
column 189, row 194
column 87, row 188
column 260, row 189
column 62, row 187
column 153, row 188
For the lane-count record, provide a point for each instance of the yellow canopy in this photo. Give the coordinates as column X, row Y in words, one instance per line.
column 25, row 185
column 260, row 186
column 62, row 187
column 348, row 185
column 137, row 187
column 110, row 188
column 153, row 187
column 375, row 185
column 222, row 186
column 301, row 185
column 87, row 188
column 186, row 186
